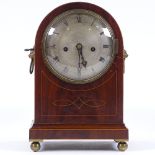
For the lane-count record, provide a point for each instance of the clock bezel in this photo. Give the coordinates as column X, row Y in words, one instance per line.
column 60, row 17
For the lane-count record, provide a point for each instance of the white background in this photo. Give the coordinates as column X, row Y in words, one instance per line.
column 19, row 21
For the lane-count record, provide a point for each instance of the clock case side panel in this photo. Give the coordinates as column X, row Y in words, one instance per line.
column 40, row 66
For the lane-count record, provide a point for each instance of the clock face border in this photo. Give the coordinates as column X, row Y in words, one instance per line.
column 56, row 12
column 96, row 17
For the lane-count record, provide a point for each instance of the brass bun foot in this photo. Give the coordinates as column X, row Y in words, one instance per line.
column 35, row 146
column 122, row 146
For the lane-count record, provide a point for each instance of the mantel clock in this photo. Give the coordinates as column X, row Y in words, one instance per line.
column 79, row 64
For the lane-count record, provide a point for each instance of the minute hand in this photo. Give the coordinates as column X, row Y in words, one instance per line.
column 79, row 48
column 84, row 63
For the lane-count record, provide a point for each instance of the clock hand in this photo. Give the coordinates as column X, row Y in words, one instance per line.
column 79, row 60
column 79, row 48
column 84, row 63
column 79, row 63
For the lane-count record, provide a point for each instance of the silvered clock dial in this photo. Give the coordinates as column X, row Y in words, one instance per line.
column 78, row 46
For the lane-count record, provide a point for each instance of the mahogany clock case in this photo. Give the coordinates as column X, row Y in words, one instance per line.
column 78, row 111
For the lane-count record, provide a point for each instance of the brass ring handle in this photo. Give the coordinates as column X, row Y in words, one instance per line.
column 32, row 57
column 125, row 55
column 31, row 66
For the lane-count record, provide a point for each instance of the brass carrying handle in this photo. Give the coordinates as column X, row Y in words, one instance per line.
column 31, row 56
column 31, row 66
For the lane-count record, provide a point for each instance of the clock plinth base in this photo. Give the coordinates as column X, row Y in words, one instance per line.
column 45, row 131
